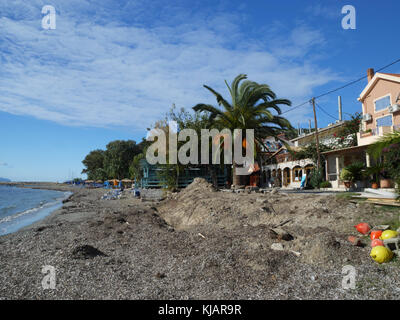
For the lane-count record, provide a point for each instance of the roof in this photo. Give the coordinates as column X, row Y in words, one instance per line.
column 385, row 76
column 320, row 130
column 392, row 74
column 345, row 149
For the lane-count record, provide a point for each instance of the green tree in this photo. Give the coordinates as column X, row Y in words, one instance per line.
column 250, row 107
column 93, row 162
column 118, row 157
column 135, row 171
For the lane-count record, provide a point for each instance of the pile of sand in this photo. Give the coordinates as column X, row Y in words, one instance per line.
column 318, row 224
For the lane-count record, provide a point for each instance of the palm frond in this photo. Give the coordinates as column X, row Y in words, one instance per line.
column 220, row 99
column 234, row 87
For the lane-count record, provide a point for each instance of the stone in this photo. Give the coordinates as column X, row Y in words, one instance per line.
column 277, row 246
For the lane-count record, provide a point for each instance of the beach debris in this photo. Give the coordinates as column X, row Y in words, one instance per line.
column 283, row 223
column 41, row 228
column 160, row 275
column 381, row 227
column 363, row 227
column 86, row 252
column 393, row 244
column 381, row 254
column 201, row 235
column 280, row 234
column 273, row 191
column 112, row 195
column 355, row 241
column 387, row 234
column 296, row 253
column 277, row 246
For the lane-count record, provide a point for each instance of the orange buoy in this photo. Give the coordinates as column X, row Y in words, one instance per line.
column 363, row 227
column 376, row 242
column 375, row 234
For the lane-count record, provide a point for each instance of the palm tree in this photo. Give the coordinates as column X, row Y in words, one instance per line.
column 250, row 108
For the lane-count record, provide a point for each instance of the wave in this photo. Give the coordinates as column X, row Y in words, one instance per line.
column 7, row 209
column 21, row 219
column 20, row 214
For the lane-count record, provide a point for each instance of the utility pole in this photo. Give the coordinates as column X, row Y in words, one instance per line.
column 316, row 134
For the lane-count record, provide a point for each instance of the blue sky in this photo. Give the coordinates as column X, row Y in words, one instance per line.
column 111, row 68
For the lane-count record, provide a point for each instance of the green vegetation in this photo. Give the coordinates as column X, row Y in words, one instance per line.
column 325, row 184
column 114, row 162
column 347, row 135
column 310, row 152
column 386, row 151
column 317, row 177
column 353, row 172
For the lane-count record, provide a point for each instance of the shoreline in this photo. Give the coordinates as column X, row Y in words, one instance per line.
column 43, row 212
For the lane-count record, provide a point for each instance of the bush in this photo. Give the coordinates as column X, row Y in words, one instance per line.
column 345, row 175
column 392, row 160
column 325, row 184
column 316, row 178
column 352, row 172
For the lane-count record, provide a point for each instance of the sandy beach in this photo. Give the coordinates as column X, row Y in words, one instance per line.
column 133, row 249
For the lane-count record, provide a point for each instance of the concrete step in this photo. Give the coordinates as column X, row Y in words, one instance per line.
column 379, row 193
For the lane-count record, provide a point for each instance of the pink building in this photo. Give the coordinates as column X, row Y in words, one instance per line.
column 381, row 114
column 380, row 105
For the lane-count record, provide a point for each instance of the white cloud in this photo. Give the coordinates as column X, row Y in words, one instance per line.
column 325, row 11
column 112, row 74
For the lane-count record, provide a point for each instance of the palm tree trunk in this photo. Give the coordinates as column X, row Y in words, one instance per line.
column 236, row 178
column 213, row 174
column 228, row 170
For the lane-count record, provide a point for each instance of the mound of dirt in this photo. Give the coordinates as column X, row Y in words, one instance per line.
column 199, row 185
column 316, row 226
column 200, row 204
column 328, row 248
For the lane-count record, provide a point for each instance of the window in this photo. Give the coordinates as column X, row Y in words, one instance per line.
column 382, row 103
column 384, row 121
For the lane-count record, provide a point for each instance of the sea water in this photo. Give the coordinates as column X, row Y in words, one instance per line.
column 20, row 207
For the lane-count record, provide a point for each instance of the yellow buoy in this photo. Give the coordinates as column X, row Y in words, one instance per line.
column 381, row 254
column 387, row 234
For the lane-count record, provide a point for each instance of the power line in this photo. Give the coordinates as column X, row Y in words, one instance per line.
column 298, row 106
column 341, row 87
column 322, row 109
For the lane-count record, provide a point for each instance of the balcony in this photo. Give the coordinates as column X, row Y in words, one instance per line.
column 372, row 135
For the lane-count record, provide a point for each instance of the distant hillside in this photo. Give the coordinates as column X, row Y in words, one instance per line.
column 4, row 180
